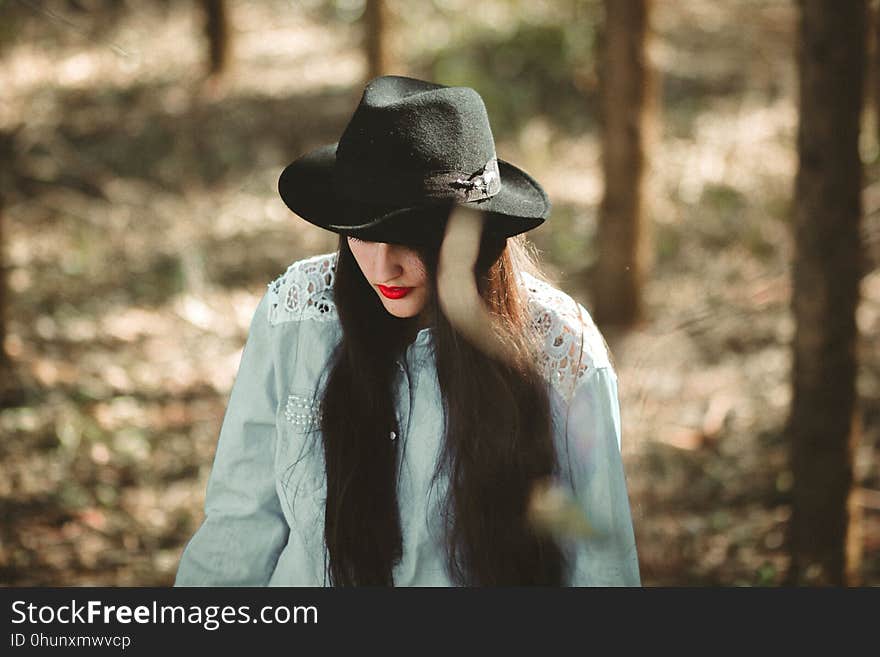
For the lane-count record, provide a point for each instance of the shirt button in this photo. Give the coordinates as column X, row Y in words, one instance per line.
column 393, row 435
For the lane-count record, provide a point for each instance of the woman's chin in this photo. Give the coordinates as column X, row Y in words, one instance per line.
column 405, row 307
column 402, row 313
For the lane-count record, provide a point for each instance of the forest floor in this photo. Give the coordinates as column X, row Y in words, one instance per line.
column 142, row 225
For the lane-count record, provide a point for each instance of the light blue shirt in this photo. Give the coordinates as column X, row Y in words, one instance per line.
column 264, row 507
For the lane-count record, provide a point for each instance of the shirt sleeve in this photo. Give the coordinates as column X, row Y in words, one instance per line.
column 244, row 529
column 608, row 556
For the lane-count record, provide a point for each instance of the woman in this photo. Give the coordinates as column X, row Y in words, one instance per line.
column 372, row 440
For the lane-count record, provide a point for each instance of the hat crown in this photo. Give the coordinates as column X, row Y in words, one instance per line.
column 404, row 126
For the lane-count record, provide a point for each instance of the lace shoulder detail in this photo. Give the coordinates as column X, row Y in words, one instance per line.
column 304, row 291
column 572, row 343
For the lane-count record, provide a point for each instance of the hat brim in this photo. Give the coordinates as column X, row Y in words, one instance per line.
column 306, row 186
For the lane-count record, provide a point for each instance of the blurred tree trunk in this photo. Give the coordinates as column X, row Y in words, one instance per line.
column 6, row 155
column 874, row 68
column 823, row 426
column 11, row 385
column 622, row 240
column 4, row 356
column 217, row 33
column 376, row 38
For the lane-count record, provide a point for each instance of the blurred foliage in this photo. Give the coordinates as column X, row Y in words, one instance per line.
column 538, row 70
column 571, row 241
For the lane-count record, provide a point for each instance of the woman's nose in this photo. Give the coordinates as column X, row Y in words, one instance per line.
column 386, row 263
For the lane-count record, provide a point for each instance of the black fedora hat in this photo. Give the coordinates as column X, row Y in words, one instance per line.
column 411, row 151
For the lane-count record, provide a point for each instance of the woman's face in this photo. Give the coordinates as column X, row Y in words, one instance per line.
column 396, row 274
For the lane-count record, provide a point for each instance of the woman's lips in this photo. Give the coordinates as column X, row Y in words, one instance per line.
column 394, row 292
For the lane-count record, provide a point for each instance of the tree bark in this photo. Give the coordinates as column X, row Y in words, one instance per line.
column 823, row 425
column 622, row 241
column 375, row 38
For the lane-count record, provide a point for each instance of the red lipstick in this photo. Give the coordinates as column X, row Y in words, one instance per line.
column 394, row 292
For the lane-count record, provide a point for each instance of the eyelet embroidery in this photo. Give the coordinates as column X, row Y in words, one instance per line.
column 305, row 291
column 571, row 340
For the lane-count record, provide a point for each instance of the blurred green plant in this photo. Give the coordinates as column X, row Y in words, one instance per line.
column 729, row 218
column 538, row 69
column 163, row 278
column 667, row 242
column 766, row 575
column 568, row 242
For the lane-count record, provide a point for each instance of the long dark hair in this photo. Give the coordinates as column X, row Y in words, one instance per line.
column 498, row 438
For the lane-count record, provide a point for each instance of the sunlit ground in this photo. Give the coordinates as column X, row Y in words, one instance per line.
column 142, row 225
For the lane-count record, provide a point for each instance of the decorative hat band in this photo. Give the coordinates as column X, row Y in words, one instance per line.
column 408, row 188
